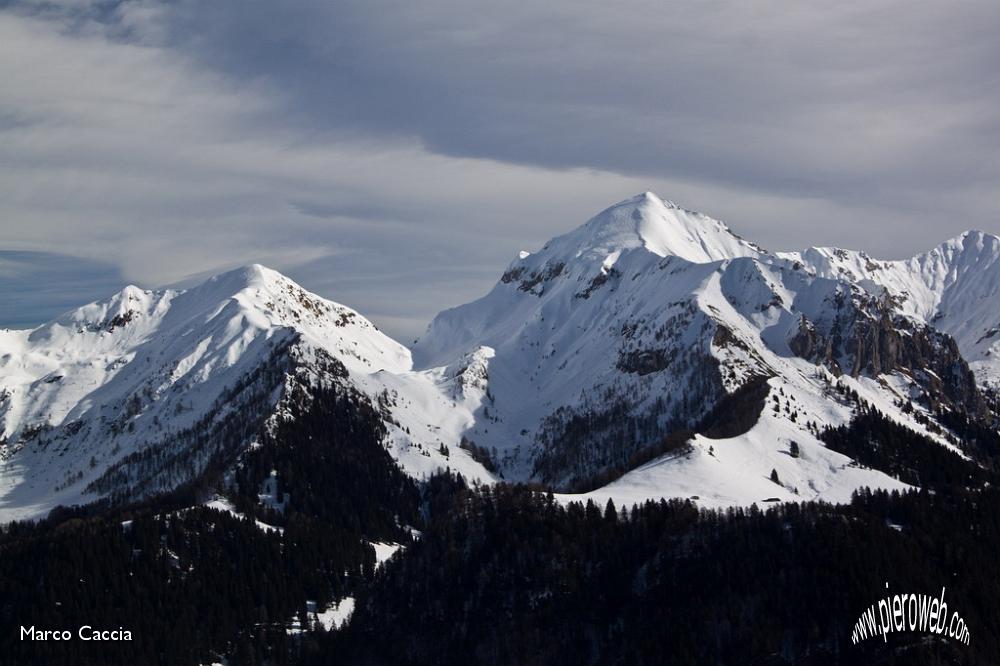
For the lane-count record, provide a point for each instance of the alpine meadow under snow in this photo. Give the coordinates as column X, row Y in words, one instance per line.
column 649, row 353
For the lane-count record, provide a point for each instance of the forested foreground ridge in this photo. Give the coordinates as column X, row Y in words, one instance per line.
column 513, row 577
column 509, row 575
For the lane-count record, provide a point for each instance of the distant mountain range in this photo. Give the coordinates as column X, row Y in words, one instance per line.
column 649, row 353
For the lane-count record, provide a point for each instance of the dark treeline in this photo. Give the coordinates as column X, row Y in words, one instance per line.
column 189, row 587
column 732, row 415
column 196, row 585
column 875, row 441
column 328, row 460
column 508, row 576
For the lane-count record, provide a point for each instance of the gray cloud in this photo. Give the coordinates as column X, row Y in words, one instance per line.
column 812, row 99
column 36, row 287
column 395, row 155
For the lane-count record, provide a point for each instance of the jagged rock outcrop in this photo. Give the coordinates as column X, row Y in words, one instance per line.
column 868, row 338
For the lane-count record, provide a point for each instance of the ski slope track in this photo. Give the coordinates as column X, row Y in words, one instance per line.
column 649, row 353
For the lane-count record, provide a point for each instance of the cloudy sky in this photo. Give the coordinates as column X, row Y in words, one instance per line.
column 394, row 156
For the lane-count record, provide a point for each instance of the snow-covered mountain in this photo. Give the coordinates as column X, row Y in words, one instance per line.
column 649, row 353
column 649, row 319
column 139, row 393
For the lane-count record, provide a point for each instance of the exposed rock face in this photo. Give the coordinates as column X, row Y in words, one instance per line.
column 645, row 361
column 599, row 281
column 868, row 338
column 807, row 343
column 528, row 281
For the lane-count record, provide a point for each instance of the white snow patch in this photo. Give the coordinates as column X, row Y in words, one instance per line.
column 336, row 615
column 223, row 504
column 383, row 551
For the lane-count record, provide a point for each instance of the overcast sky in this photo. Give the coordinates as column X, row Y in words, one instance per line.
column 394, row 156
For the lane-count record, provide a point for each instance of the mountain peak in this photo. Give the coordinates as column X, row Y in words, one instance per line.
column 658, row 225
column 249, row 275
column 652, row 199
column 969, row 249
column 974, row 238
